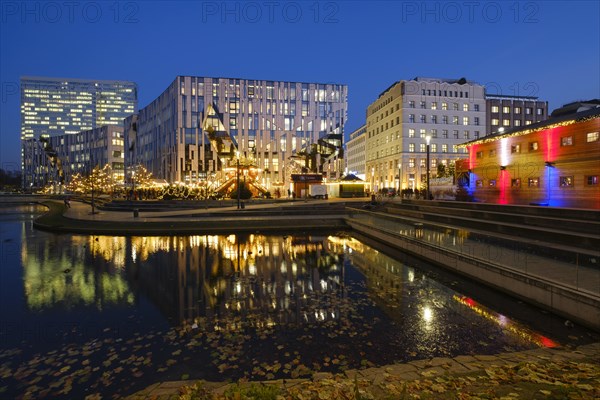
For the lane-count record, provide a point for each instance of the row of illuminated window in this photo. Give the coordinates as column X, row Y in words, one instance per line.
column 563, row 181
column 445, row 134
column 444, row 120
column 412, row 147
column 517, row 110
column 286, row 92
column 443, row 105
column 433, row 148
column 506, row 122
column 423, row 119
column 445, row 93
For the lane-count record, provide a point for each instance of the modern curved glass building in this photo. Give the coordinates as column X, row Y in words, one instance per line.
column 200, row 128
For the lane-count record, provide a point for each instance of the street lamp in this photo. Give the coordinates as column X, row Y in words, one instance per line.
column 428, row 139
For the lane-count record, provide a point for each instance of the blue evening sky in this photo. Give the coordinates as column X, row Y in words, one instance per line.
column 549, row 49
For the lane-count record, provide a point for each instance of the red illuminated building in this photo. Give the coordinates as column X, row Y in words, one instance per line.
column 555, row 162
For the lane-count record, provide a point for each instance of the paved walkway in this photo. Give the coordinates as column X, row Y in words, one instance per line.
column 436, row 375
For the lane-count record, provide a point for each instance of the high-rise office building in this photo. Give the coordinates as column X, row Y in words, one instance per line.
column 405, row 115
column 199, row 128
column 53, row 107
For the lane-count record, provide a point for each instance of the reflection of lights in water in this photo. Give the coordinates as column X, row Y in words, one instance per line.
column 288, row 288
column 323, row 285
column 427, row 314
column 283, row 267
column 349, row 249
column 411, row 275
column 133, row 253
column 294, row 268
column 252, row 269
column 506, row 323
column 238, row 287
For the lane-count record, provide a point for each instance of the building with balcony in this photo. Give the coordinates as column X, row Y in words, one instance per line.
column 513, row 112
column 447, row 111
column 200, row 128
column 554, row 162
column 55, row 107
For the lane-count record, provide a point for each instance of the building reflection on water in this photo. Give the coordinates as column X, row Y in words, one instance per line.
column 266, row 280
column 239, row 280
column 57, row 272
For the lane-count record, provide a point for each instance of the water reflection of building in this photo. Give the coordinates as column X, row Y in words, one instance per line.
column 264, row 280
column 67, row 271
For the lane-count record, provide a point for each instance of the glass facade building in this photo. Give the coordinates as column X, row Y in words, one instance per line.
column 52, row 107
column 200, row 127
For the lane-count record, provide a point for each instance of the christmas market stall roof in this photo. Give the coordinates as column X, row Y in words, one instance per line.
column 351, row 178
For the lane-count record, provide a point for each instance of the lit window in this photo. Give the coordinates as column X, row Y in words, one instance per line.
column 517, row 122
column 506, row 122
column 566, row 181
column 515, row 182
column 495, row 121
column 533, row 182
column 534, row 146
column 444, row 148
column 434, row 105
column 505, row 109
column 465, row 120
column 411, row 162
column 591, row 179
column 517, row 110
column 422, row 148
column 495, row 109
column 566, row 141
column 515, row 148
column 444, row 106
column 592, row 137
column 479, row 183
column 465, row 107
column 540, row 111
column 492, row 182
column 411, row 147
column 479, row 154
column 411, row 133
column 492, row 152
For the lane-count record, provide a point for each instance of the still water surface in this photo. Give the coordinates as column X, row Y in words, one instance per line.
column 111, row 315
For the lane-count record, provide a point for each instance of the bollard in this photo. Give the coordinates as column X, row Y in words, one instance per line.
column 136, row 212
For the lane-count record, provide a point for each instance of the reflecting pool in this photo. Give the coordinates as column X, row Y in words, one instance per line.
column 111, row 315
